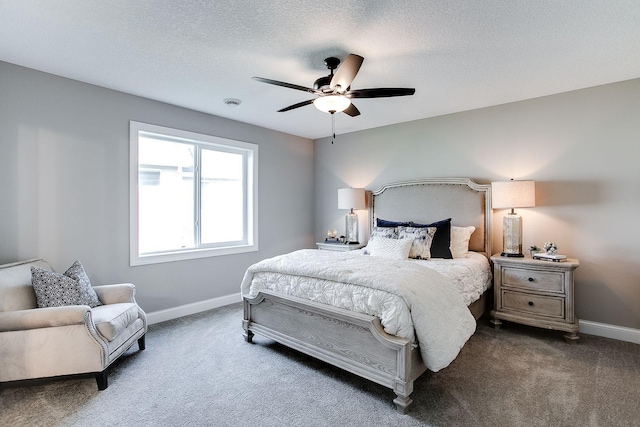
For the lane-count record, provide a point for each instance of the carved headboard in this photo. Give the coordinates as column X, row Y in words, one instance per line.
column 428, row 200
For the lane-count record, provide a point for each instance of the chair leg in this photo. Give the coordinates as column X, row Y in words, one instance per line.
column 141, row 343
column 101, row 379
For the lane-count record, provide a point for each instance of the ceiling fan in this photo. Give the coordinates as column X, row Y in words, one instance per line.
column 334, row 92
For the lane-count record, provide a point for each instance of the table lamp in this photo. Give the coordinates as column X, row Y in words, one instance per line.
column 509, row 195
column 351, row 198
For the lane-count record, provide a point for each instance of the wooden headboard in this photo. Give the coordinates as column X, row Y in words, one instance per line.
column 428, row 200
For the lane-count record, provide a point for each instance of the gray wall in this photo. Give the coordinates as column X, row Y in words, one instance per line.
column 64, row 182
column 583, row 150
column 64, row 186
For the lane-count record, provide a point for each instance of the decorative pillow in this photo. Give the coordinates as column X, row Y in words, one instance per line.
column 87, row 294
column 441, row 240
column 422, row 238
column 460, row 240
column 390, row 248
column 71, row 288
column 386, row 232
column 384, row 223
column 381, row 232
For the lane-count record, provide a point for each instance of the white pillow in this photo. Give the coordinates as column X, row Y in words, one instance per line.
column 390, row 248
column 460, row 240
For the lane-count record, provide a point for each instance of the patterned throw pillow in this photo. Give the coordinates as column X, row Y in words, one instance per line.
column 441, row 240
column 386, row 232
column 71, row 288
column 390, row 248
column 87, row 295
column 422, row 238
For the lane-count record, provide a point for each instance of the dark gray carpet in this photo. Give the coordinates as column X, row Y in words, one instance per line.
column 198, row 371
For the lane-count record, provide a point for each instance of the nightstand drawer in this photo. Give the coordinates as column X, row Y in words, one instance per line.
column 535, row 280
column 533, row 304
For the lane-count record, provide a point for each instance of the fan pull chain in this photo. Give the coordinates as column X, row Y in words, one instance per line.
column 333, row 126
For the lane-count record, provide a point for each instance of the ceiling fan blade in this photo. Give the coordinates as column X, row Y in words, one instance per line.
column 346, row 72
column 352, row 111
column 381, row 92
column 284, row 84
column 298, row 105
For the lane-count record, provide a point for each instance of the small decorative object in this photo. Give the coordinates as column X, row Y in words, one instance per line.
column 542, row 256
column 332, row 236
column 533, row 249
column 550, row 248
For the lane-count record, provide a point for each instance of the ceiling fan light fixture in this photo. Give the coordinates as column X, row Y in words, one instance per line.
column 332, row 103
column 334, row 91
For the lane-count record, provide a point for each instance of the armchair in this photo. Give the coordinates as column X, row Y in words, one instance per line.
column 48, row 342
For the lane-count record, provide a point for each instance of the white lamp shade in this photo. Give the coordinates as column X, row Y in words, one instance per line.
column 329, row 103
column 351, row 198
column 513, row 194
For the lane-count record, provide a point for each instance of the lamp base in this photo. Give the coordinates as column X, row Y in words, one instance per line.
column 512, row 236
column 351, row 227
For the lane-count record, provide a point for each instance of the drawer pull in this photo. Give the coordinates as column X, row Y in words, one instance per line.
column 531, row 279
column 530, row 303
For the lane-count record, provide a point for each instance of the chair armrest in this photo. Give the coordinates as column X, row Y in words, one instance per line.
column 36, row 318
column 113, row 294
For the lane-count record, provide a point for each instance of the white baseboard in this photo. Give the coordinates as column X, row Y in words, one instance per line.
column 193, row 308
column 610, row 331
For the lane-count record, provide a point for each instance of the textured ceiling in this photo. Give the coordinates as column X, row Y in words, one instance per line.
column 459, row 55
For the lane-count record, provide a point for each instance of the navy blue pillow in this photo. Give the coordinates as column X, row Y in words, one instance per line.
column 384, row 223
column 441, row 240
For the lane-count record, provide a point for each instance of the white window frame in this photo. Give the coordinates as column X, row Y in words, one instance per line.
column 251, row 195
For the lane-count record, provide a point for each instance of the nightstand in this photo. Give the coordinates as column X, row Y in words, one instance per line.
column 340, row 247
column 535, row 293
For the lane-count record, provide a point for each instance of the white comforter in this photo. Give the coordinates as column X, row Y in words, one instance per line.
column 436, row 309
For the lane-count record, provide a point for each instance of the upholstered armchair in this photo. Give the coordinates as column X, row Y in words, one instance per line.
column 75, row 339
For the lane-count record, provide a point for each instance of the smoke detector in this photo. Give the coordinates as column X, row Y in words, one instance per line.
column 232, row 102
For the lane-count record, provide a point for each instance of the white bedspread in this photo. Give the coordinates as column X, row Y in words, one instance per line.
column 471, row 274
column 435, row 308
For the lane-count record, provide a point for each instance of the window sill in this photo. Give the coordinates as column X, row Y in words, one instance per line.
column 190, row 254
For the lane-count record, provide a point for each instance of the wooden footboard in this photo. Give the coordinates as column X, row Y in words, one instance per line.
column 352, row 341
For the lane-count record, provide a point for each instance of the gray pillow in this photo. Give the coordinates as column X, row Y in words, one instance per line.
column 56, row 290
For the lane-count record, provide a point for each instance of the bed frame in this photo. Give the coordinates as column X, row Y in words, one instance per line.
column 357, row 342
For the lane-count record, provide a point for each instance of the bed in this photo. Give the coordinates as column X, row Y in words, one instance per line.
column 360, row 342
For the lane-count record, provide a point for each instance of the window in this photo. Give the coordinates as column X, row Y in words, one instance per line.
column 192, row 195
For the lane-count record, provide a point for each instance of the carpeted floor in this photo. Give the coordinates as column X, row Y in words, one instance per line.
column 198, row 371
